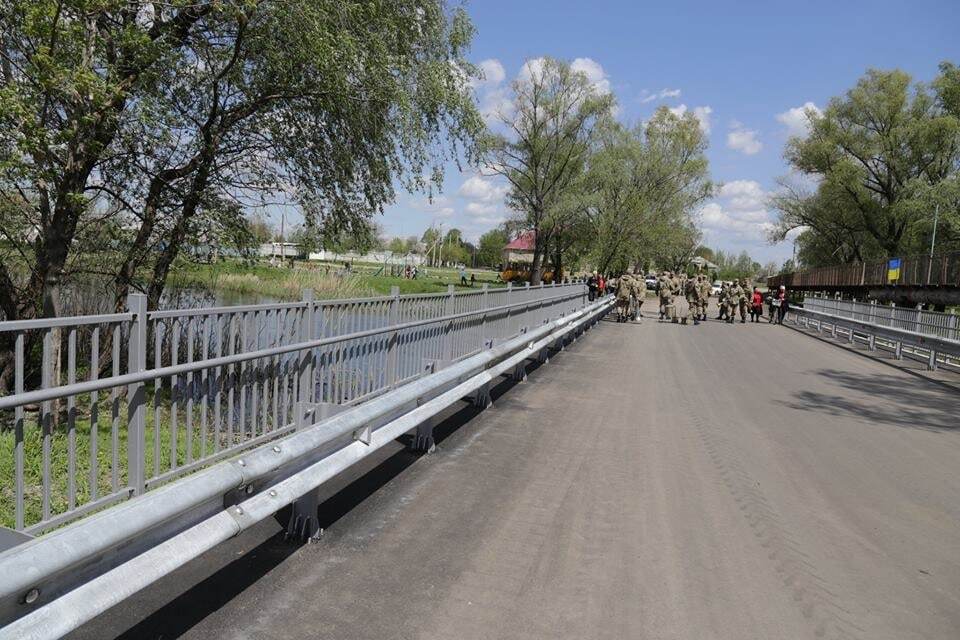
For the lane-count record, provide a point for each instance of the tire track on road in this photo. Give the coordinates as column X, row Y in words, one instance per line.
column 816, row 597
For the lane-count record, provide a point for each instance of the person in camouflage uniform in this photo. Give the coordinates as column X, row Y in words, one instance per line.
column 665, row 292
column 744, row 300
column 691, row 289
column 639, row 293
column 705, row 289
column 624, row 291
column 733, row 298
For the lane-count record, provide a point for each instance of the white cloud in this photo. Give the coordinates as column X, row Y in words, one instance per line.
column 493, row 73
column 530, row 69
column 743, row 194
column 743, row 140
column 484, row 189
column 738, row 213
column 480, row 208
column 649, row 96
column 700, row 113
column 440, row 206
column 595, row 74
column 797, row 119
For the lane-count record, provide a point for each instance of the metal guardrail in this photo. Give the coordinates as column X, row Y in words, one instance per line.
column 935, row 351
column 108, row 407
column 928, row 323
column 54, row 583
column 941, row 270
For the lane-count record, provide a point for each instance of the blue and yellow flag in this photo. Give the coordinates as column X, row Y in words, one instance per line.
column 893, row 270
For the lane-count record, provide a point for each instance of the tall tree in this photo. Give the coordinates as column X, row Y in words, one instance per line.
column 492, row 243
column 546, row 143
column 882, row 155
column 167, row 118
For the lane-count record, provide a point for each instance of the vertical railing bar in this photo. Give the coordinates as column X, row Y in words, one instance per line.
column 18, row 434
column 158, row 327
column 191, row 336
column 72, row 421
column 46, row 421
column 115, row 415
column 231, row 379
column 244, row 371
column 174, row 393
column 94, row 414
column 217, row 383
column 136, row 394
column 204, row 389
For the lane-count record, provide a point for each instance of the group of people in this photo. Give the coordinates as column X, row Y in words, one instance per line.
column 695, row 290
column 735, row 298
column 630, row 289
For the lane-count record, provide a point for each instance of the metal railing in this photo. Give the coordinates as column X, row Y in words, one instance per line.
column 111, row 406
column 927, row 323
column 932, row 348
column 941, row 270
column 56, row 582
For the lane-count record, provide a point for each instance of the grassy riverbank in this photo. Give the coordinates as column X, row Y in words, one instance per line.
column 326, row 280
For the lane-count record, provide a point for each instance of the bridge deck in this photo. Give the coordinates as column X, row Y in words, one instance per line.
column 654, row 481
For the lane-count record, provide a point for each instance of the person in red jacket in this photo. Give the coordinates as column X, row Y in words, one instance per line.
column 756, row 305
column 603, row 286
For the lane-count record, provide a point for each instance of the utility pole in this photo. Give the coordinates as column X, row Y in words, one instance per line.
column 933, row 239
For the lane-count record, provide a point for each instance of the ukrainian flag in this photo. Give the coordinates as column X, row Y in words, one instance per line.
column 893, row 270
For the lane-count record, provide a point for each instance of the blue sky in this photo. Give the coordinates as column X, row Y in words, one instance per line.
column 742, row 65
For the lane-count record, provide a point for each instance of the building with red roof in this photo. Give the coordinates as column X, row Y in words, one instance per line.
column 520, row 249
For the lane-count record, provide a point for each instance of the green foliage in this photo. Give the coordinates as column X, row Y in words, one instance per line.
column 883, row 156
column 546, row 145
column 170, row 118
column 492, row 243
column 640, row 189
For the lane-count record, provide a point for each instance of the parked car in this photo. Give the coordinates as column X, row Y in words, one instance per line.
column 715, row 288
column 651, row 281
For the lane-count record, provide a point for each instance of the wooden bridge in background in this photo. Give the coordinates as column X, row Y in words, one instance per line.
column 907, row 281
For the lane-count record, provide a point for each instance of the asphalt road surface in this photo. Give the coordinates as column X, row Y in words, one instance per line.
column 652, row 481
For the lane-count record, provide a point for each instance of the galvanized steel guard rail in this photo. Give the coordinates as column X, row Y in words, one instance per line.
column 934, row 350
column 66, row 577
column 928, row 323
column 110, row 406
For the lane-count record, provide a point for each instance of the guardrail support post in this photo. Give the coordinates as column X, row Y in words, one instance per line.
column 873, row 342
column 136, row 392
column 932, row 360
column 898, row 351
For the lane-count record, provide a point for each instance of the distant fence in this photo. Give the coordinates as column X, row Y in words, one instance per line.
column 919, row 271
column 107, row 407
column 378, row 257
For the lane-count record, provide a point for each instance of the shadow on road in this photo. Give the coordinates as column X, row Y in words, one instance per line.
column 896, row 400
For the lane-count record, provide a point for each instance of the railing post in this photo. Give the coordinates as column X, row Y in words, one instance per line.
column 305, row 381
column 393, row 345
column 136, row 392
column 952, row 325
column 448, row 327
column 484, row 305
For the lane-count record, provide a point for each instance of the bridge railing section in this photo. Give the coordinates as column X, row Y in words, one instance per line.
column 110, row 406
column 937, row 271
column 927, row 323
column 927, row 343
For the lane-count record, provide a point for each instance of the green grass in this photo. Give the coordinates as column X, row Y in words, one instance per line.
column 285, row 283
column 103, row 467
